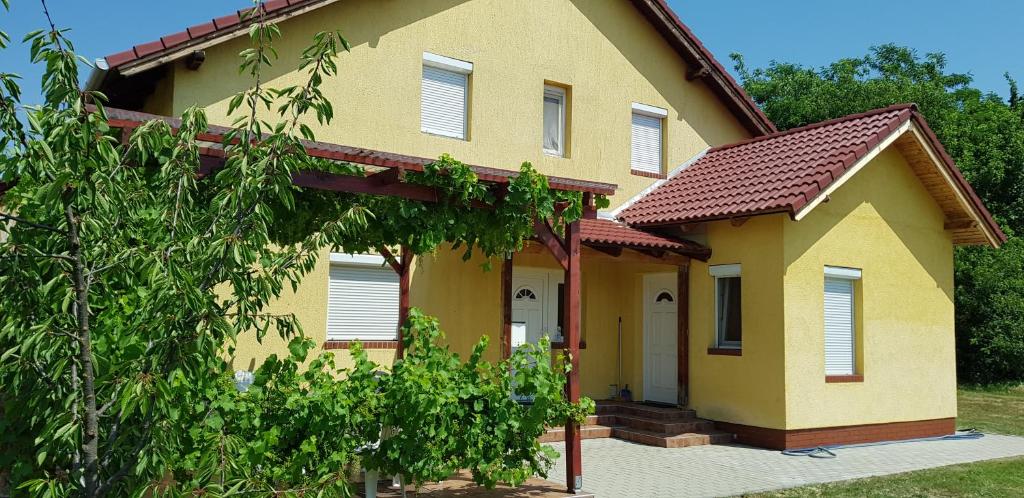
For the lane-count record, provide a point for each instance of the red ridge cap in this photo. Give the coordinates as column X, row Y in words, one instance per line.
column 821, row 124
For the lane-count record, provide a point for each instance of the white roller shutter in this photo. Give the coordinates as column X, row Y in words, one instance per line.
column 443, row 108
column 362, row 303
column 839, row 333
column 646, row 144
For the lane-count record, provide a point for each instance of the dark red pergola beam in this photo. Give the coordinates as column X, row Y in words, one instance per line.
column 128, row 120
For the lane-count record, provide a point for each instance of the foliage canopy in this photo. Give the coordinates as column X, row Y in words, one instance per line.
column 125, row 275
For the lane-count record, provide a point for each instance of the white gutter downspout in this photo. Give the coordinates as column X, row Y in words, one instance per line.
column 97, row 75
column 614, row 214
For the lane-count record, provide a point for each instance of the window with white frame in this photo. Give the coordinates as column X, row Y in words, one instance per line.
column 728, row 307
column 444, row 108
column 840, row 334
column 554, row 121
column 362, row 299
column 646, row 145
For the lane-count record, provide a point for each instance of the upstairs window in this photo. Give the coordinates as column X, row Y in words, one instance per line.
column 728, row 306
column 646, row 149
column 445, row 101
column 554, row 121
column 840, row 334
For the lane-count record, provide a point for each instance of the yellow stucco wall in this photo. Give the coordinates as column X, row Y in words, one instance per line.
column 605, row 51
column 884, row 222
column 745, row 389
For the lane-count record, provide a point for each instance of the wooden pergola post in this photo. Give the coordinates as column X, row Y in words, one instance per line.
column 404, row 277
column 403, row 267
column 506, row 308
column 683, row 337
column 571, row 336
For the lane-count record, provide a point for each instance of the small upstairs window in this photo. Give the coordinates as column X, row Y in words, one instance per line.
column 554, row 121
column 728, row 306
column 445, row 99
column 646, row 147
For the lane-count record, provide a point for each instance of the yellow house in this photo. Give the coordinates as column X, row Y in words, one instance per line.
column 794, row 288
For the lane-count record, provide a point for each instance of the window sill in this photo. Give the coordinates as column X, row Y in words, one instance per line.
column 842, row 379
column 725, row 351
column 346, row 344
column 648, row 174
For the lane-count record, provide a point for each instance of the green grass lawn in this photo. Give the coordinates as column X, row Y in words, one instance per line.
column 995, row 409
column 998, row 409
column 993, row 478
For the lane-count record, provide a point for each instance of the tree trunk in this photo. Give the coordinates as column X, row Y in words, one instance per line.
column 90, row 438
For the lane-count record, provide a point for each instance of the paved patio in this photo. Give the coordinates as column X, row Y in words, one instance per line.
column 614, row 468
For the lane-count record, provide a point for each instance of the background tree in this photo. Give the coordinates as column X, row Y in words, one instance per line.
column 127, row 277
column 981, row 131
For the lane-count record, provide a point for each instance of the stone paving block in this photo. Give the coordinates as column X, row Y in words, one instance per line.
column 614, row 468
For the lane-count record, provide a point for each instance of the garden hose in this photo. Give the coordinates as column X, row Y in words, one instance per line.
column 829, row 451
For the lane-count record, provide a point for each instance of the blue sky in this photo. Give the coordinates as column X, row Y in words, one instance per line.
column 984, row 37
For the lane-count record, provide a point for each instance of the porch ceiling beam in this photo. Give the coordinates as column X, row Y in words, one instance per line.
column 389, row 176
column 547, row 236
column 609, row 250
column 630, row 255
column 362, row 185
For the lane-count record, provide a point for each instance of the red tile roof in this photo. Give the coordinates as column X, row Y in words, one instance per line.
column 220, row 25
column 120, row 118
column 657, row 11
column 612, row 233
column 781, row 172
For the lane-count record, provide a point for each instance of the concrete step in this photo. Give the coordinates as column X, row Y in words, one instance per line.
column 555, row 434
column 600, row 420
column 668, row 427
column 686, row 439
column 645, row 411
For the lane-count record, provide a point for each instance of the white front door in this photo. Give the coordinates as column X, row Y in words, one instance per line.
column 529, row 295
column 660, row 338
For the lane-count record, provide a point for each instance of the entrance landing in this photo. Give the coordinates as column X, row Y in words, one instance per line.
column 667, row 427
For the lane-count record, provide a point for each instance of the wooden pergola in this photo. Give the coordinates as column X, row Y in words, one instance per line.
column 387, row 179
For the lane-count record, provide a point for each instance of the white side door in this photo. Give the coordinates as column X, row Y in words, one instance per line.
column 660, row 338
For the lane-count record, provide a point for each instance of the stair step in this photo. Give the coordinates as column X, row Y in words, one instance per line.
column 651, row 438
column 600, row 420
column 668, row 427
column 555, row 434
column 645, row 411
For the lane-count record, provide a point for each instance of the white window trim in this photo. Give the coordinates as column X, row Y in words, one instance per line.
column 558, row 93
column 447, row 63
column 365, row 261
column 657, row 114
column 457, row 67
column 650, row 110
column 720, row 272
column 851, row 275
column 357, row 259
column 842, row 272
column 723, row 271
